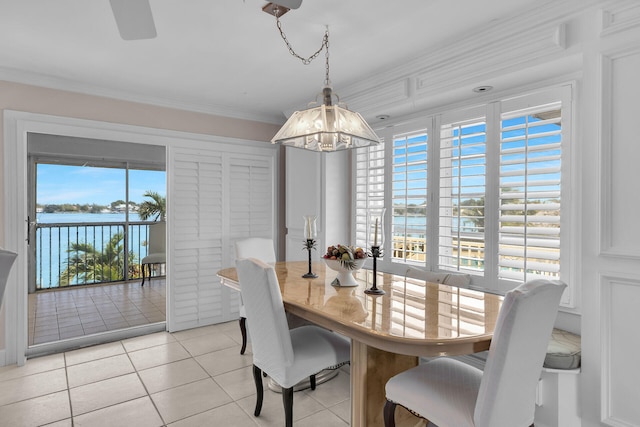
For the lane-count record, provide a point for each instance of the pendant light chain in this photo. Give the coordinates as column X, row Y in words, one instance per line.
column 307, row 61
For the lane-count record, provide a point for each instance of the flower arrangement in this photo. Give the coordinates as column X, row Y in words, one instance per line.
column 346, row 255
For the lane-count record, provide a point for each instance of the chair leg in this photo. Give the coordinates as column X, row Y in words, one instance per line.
column 389, row 414
column 287, row 400
column 257, row 377
column 312, row 381
column 243, row 331
column 142, row 274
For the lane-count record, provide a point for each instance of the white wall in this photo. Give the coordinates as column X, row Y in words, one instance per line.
column 595, row 44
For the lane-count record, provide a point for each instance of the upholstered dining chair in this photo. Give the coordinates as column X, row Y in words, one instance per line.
column 253, row 247
column 156, row 249
column 6, row 261
column 450, row 393
column 287, row 356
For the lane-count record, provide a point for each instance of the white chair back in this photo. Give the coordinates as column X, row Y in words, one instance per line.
column 6, row 261
column 266, row 319
column 157, row 238
column 516, row 355
column 256, row 247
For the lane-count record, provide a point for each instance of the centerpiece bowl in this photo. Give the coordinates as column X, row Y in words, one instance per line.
column 345, row 273
column 345, row 260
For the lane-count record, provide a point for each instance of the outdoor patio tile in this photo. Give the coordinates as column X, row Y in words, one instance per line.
column 71, row 332
column 41, row 339
column 94, row 329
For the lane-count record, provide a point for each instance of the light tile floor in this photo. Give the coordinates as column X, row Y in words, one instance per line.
column 184, row 379
column 69, row 313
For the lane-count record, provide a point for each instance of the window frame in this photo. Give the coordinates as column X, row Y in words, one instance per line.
column 492, row 111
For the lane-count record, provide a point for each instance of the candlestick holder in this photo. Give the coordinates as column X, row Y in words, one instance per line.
column 308, row 245
column 375, row 253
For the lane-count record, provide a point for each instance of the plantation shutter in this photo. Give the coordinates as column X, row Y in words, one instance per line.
column 409, row 197
column 369, row 187
column 463, row 168
column 195, row 221
column 530, row 184
column 216, row 198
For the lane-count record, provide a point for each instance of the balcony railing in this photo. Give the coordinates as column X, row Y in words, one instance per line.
column 71, row 254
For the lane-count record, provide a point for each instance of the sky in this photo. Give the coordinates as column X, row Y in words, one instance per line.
column 59, row 184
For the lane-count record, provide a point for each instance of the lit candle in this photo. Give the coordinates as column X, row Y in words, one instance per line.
column 375, row 234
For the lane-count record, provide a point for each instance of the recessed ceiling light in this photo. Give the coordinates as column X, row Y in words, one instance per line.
column 482, row 89
column 383, row 117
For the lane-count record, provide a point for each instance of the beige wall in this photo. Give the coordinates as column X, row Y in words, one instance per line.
column 32, row 99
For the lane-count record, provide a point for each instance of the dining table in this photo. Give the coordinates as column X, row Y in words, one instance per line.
column 389, row 333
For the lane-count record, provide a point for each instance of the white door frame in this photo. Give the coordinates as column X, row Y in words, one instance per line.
column 16, row 127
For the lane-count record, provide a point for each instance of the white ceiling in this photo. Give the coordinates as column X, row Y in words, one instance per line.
column 226, row 56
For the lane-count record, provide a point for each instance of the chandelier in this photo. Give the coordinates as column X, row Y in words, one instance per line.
column 327, row 126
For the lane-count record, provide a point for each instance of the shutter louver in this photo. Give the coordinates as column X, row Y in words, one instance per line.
column 218, row 197
column 462, row 195
column 530, row 202
column 409, row 198
column 369, row 187
column 196, row 218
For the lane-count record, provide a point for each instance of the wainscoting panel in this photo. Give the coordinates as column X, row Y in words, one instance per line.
column 620, row 231
column 620, row 349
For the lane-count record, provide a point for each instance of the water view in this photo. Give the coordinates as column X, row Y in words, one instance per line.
column 66, row 243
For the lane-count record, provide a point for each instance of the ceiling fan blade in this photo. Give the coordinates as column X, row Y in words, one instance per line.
column 134, row 19
column 291, row 4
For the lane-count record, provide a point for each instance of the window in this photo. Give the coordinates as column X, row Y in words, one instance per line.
column 530, row 193
column 463, row 161
column 409, row 197
column 369, row 182
column 501, row 193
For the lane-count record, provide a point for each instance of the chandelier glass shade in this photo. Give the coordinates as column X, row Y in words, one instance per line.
column 326, row 127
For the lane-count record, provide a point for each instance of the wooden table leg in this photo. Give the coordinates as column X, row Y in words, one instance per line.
column 370, row 370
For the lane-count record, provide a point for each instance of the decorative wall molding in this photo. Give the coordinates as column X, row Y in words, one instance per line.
column 619, row 320
column 479, row 61
column 608, row 247
column 509, row 46
column 619, row 17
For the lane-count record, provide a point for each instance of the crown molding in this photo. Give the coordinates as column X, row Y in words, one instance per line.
column 506, row 46
column 619, row 16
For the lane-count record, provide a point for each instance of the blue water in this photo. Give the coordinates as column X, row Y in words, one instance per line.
column 52, row 243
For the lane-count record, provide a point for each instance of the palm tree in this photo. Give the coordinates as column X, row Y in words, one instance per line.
column 156, row 207
column 88, row 265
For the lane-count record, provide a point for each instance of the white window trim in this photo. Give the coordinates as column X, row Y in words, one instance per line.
column 569, row 224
